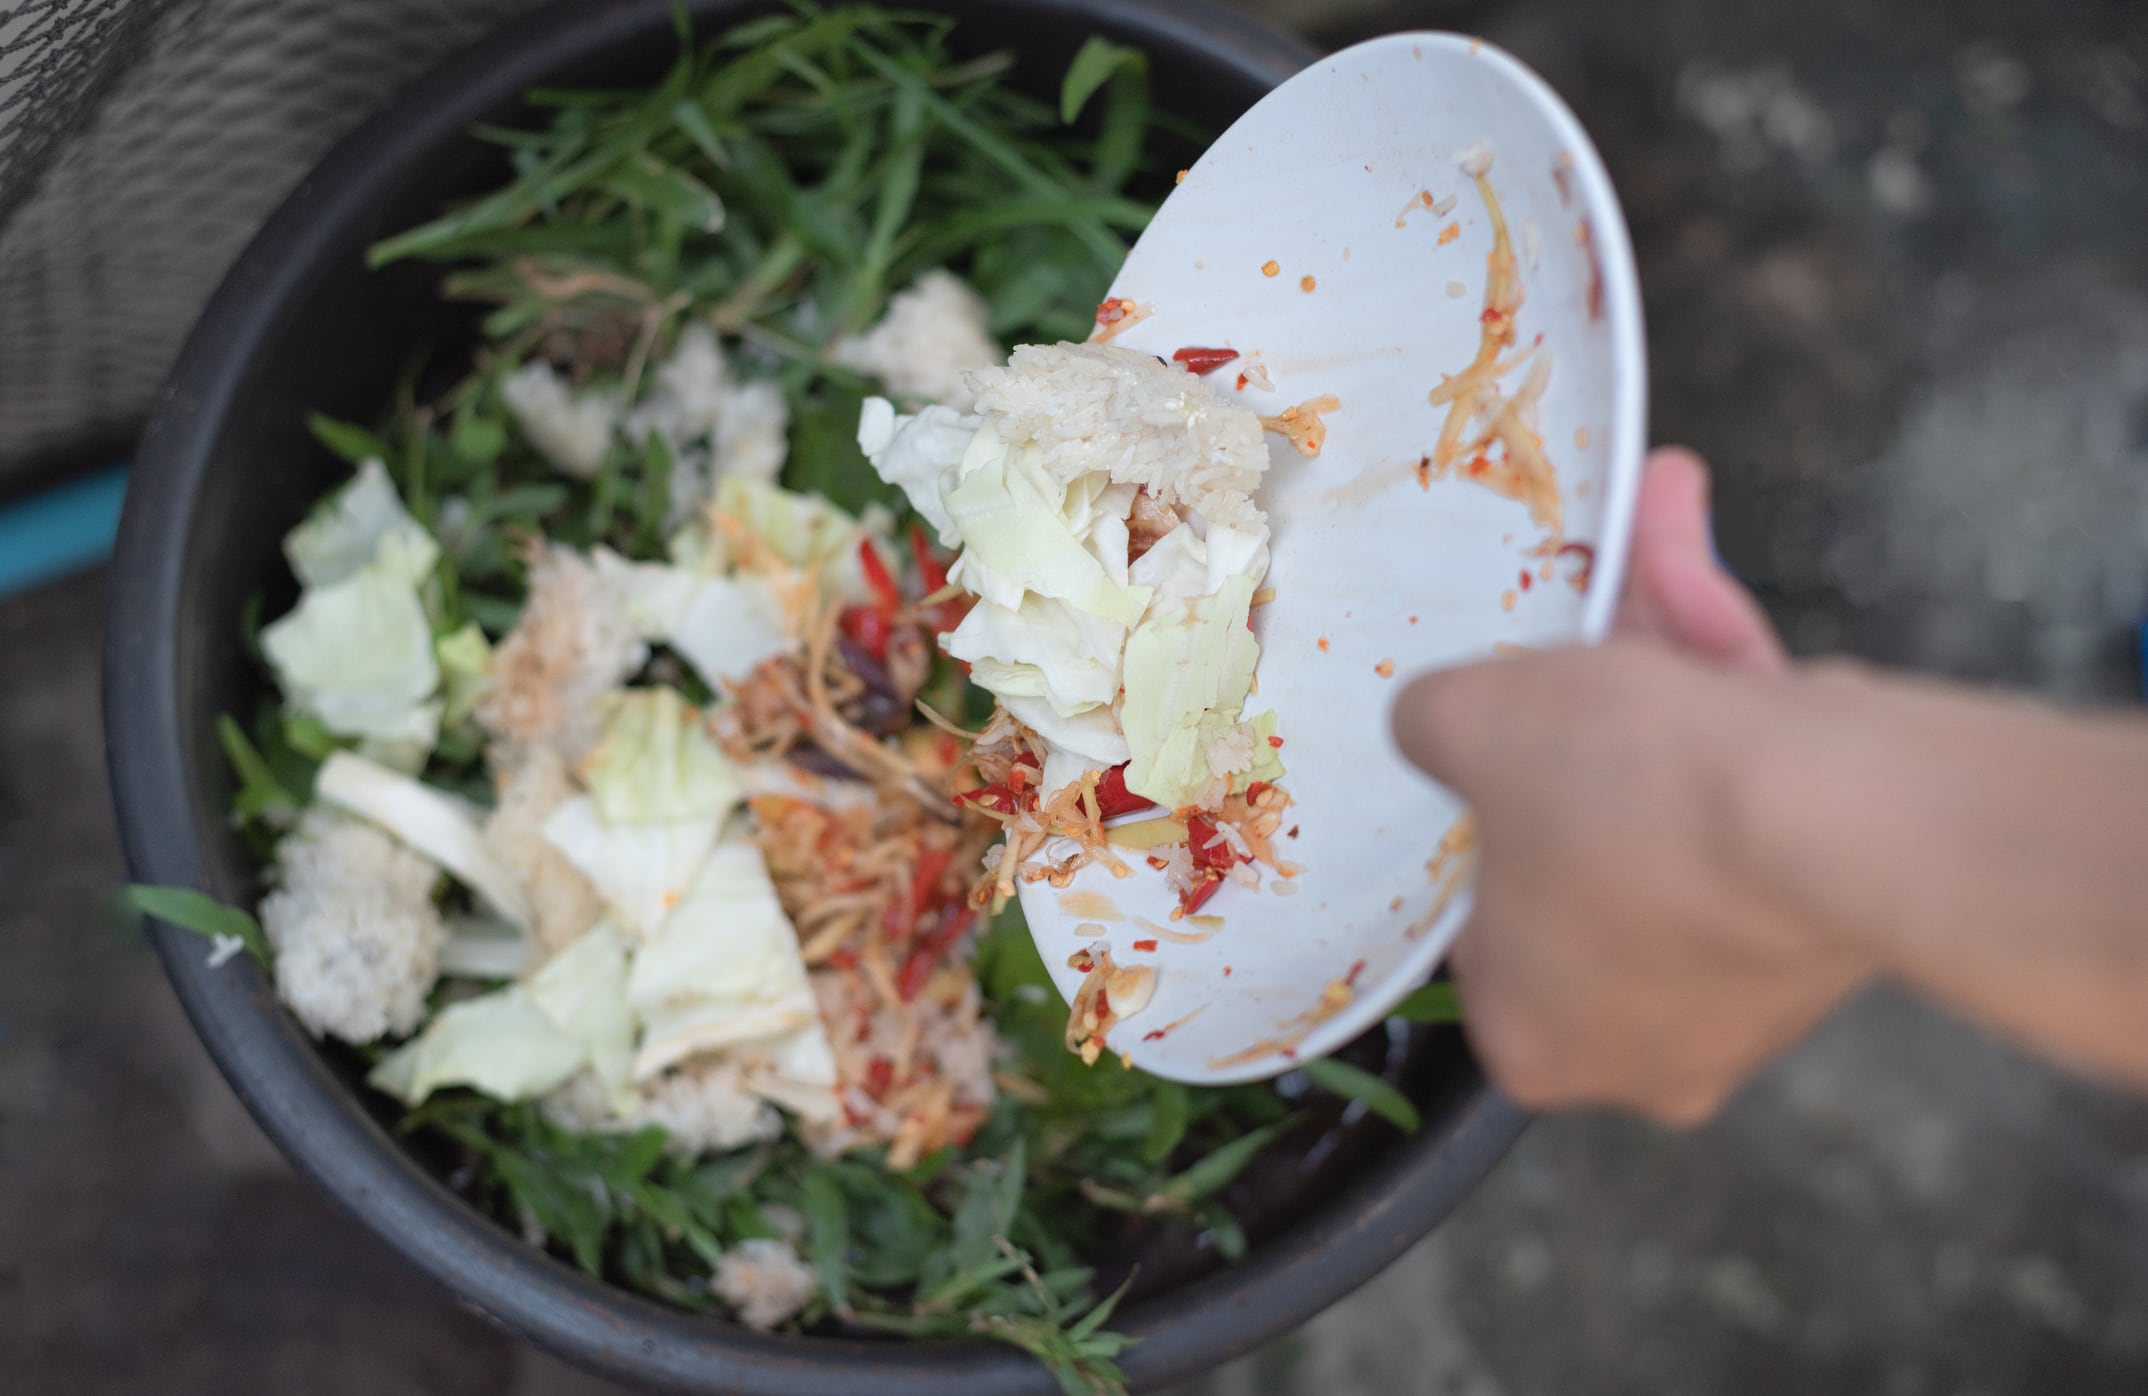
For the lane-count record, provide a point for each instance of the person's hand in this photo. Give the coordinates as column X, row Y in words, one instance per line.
column 1619, row 952
column 1676, row 591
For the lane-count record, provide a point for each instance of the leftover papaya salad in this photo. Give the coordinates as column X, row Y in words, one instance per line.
column 683, row 678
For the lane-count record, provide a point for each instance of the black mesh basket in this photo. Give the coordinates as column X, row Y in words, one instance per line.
column 141, row 144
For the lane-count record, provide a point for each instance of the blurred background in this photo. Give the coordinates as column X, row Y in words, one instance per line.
column 1897, row 289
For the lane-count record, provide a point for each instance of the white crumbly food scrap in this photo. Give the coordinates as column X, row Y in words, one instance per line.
column 572, row 644
column 702, row 1107
column 688, row 393
column 356, row 935
column 753, row 435
column 563, row 903
column 573, row 430
column 764, row 1281
column 705, row 1107
column 714, row 425
column 931, row 336
column 1095, row 407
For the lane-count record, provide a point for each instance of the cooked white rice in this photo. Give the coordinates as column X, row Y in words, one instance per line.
column 1096, row 407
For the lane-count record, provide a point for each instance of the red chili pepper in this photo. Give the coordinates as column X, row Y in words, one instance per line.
column 1276, row 742
column 925, row 878
column 1196, row 899
column 1112, row 796
column 868, row 627
column 917, row 968
column 1253, row 791
column 941, row 616
column 910, row 981
column 879, row 1075
column 1154, row 1035
column 992, row 797
column 1210, row 850
column 887, row 595
column 1203, row 360
column 1201, row 838
column 931, row 572
column 1144, row 945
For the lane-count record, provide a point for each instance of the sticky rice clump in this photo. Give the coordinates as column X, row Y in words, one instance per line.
column 1095, row 407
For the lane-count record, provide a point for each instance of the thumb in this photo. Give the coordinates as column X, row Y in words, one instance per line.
column 1448, row 722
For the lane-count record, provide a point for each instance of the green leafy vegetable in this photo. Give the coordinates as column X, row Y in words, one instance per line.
column 202, row 914
column 1436, row 1002
column 354, row 444
column 1219, row 1168
column 1093, row 65
column 261, row 796
column 1354, row 1083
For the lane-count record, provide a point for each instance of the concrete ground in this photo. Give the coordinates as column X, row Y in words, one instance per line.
column 1897, row 292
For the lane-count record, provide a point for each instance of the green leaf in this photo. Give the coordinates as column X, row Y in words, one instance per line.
column 988, row 1209
column 824, row 456
column 353, row 444
column 523, row 504
column 1436, row 1002
column 828, row 1227
column 309, row 736
column 1108, row 250
column 689, row 117
column 202, row 914
column 668, row 192
column 1223, row 1229
column 1100, row 1313
column 894, row 1230
column 494, row 614
column 655, row 498
column 1216, row 1171
column 605, row 492
column 1093, row 65
column 640, row 1153
column 1125, row 127
column 477, row 438
column 1167, row 1121
column 1352, row 1083
column 260, row 795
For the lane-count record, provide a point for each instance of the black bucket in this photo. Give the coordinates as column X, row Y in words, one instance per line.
column 227, row 466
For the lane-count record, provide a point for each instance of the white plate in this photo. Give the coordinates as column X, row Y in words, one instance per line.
column 1324, row 179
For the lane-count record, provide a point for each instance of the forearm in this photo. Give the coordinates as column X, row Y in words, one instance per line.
column 1991, row 853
